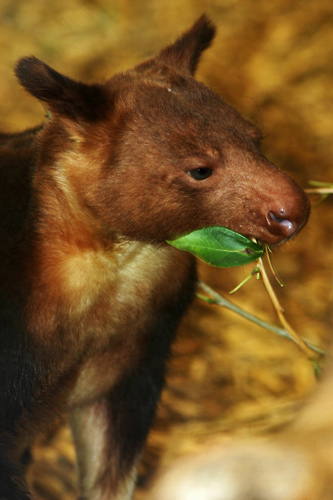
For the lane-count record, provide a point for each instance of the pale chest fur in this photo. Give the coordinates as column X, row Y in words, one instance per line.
column 109, row 300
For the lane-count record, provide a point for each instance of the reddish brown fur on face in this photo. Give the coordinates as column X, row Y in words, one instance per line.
column 91, row 295
column 200, row 131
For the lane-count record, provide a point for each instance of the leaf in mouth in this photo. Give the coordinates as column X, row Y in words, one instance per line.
column 219, row 247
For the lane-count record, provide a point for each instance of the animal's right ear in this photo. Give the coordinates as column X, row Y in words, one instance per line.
column 185, row 53
column 60, row 94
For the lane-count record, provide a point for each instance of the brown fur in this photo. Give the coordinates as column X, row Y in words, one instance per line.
column 91, row 293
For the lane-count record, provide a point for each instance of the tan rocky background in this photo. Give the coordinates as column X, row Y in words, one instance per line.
column 273, row 61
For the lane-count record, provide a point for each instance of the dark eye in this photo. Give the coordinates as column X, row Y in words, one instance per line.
column 201, row 173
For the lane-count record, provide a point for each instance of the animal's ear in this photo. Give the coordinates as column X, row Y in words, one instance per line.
column 60, row 94
column 184, row 54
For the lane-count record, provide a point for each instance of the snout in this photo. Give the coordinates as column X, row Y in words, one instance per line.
column 263, row 203
column 286, row 214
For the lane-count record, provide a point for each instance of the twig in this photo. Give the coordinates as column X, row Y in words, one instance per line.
column 279, row 311
column 319, row 190
column 323, row 188
column 221, row 301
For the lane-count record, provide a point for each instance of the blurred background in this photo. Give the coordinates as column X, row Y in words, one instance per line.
column 273, row 62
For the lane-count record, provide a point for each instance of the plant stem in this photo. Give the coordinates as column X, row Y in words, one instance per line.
column 319, row 190
column 221, row 301
column 279, row 311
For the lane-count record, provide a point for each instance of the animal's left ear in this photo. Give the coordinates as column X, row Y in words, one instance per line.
column 60, row 94
column 185, row 53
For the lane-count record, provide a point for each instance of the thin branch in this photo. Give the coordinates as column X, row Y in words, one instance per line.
column 323, row 188
column 221, row 301
column 279, row 311
column 319, row 190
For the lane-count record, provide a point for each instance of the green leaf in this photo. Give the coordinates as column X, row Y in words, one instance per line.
column 219, row 247
column 321, row 184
